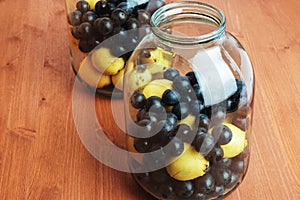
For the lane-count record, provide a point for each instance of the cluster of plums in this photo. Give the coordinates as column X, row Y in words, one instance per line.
column 165, row 120
column 93, row 22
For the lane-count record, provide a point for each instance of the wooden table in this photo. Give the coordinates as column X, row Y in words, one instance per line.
column 41, row 155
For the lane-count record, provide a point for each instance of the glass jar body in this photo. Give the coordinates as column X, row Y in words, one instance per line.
column 188, row 111
column 97, row 62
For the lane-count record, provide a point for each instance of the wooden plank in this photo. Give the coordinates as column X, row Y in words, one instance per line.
column 41, row 155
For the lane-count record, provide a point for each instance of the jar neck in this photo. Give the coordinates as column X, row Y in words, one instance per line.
column 188, row 23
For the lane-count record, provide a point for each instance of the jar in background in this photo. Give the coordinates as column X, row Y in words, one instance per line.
column 92, row 22
column 188, row 93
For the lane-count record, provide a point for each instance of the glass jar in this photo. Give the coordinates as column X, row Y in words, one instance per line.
column 97, row 62
column 188, row 96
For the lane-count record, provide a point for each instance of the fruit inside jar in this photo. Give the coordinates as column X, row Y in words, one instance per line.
column 103, row 34
column 193, row 146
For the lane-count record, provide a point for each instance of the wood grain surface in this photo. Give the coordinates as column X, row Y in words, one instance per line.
column 41, row 155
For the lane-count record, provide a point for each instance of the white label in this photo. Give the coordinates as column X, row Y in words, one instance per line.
column 214, row 75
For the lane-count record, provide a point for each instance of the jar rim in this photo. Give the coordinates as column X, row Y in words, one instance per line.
column 169, row 12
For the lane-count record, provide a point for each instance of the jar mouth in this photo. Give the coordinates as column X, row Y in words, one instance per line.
column 188, row 23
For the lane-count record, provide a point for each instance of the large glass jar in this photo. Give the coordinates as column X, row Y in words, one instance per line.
column 188, row 93
column 97, row 59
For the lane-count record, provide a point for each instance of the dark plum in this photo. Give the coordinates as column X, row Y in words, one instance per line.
column 187, row 98
column 102, row 8
column 74, row 18
column 156, row 158
column 215, row 155
column 175, row 147
column 104, row 25
column 166, row 127
column 196, row 107
column 89, row 16
column 181, row 110
column 129, row 6
column 200, row 196
column 171, row 117
column 225, row 162
column 138, row 100
column 83, row 6
column 87, row 45
column 193, row 79
column 184, row 132
column 182, row 84
column 143, row 17
column 238, row 166
column 160, row 176
column 184, row 189
column 155, row 104
column 146, row 126
column 132, row 23
column 219, row 190
column 140, row 115
column 233, row 101
column 165, row 191
column 153, row 117
column 115, row 2
column 119, row 16
column 75, row 32
column 198, row 92
column 145, row 53
column 111, row 7
column 234, row 180
column 204, row 121
column 142, row 145
column 217, row 114
column 100, row 38
column 170, row 97
column 144, row 178
column 205, row 184
column 222, row 175
column 242, row 123
column 171, row 73
column 222, row 134
column 204, row 143
column 243, row 154
column 153, row 5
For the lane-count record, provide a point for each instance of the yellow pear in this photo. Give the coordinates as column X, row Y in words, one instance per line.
column 157, row 87
column 118, row 79
column 189, row 165
column 137, row 79
column 92, row 3
column 91, row 76
column 159, row 61
column 237, row 144
column 105, row 62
